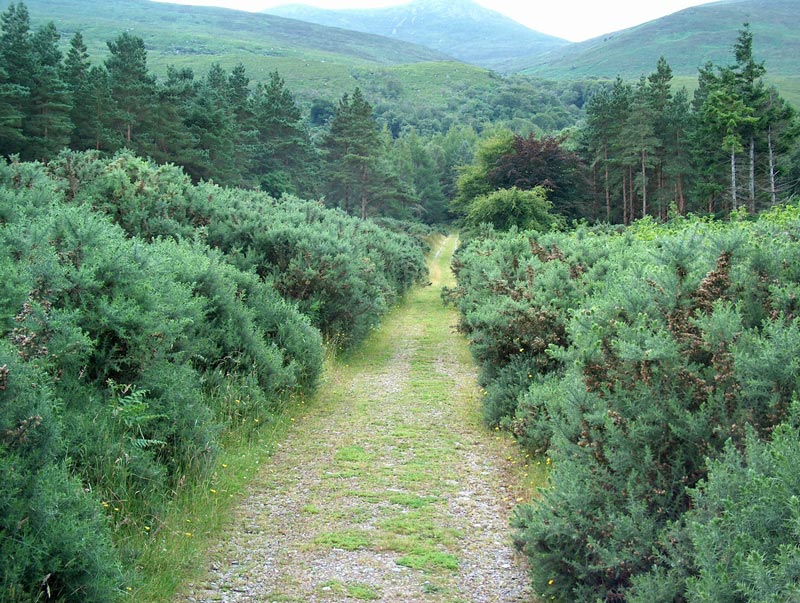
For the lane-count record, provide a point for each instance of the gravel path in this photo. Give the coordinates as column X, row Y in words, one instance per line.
column 388, row 488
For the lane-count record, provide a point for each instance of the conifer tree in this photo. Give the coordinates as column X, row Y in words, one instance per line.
column 600, row 123
column 640, row 140
column 10, row 116
column 49, row 125
column 76, row 75
column 778, row 118
column 16, row 47
column 707, row 154
column 284, row 158
column 16, row 64
column 132, row 87
column 350, row 146
column 727, row 112
column 677, row 165
column 210, row 119
column 621, row 100
column 748, row 73
column 670, row 113
column 171, row 141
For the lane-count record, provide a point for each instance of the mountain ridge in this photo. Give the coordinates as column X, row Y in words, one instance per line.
column 687, row 39
column 316, row 61
column 462, row 29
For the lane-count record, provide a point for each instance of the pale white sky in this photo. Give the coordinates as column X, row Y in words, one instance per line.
column 574, row 20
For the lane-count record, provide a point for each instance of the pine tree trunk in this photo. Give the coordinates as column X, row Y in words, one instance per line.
column 631, row 194
column 364, row 191
column 681, row 198
column 734, row 199
column 608, row 190
column 772, row 188
column 644, row 186
column 624, row 199
column 752, row 199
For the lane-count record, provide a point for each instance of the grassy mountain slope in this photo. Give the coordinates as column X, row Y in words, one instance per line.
column 460, row 28
column 688, row 39
column 316, row 61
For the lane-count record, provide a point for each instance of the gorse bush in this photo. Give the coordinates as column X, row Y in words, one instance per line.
column 744, row 525
column 342, row 272
column 131, row 302
column 54, row 542
column 633, row 358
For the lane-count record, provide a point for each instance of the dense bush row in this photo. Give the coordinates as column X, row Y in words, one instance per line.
column 133, row 307
column 657, row 368
column 342, row 272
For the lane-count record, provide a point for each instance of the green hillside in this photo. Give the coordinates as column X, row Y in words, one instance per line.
column 316, row 61
column 688, row 39
column 460, row 28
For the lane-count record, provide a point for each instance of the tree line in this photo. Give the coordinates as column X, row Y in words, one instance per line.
column 641, row 149
column 218, row 126
column 727, row 148
column 645, row 149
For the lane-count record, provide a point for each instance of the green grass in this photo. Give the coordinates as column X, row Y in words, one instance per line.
column 353, row 590
column 198, row 515
column 348, row 540
column 429, row 561
column 352, row 454
column 412, row 501
column 362, row 592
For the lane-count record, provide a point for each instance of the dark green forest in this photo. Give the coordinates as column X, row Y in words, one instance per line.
column 179, row 252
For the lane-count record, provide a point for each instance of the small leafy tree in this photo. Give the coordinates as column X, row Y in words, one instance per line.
column 513, row 208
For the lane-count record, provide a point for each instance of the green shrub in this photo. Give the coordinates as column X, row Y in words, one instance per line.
column 507, row 208
column 342, row 272
column 134, row 341
column 54, row 541
column 745, row 525
column 674, row 342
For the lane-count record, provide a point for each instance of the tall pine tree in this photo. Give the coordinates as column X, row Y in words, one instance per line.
column 132, row 87
column 284, row 157
column 48, row 126
column 16, row 68
column 350, row 147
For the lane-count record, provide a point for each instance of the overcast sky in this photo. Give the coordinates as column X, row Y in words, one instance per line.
column 574, row 20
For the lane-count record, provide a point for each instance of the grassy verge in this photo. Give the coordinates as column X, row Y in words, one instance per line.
column 201, row 511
